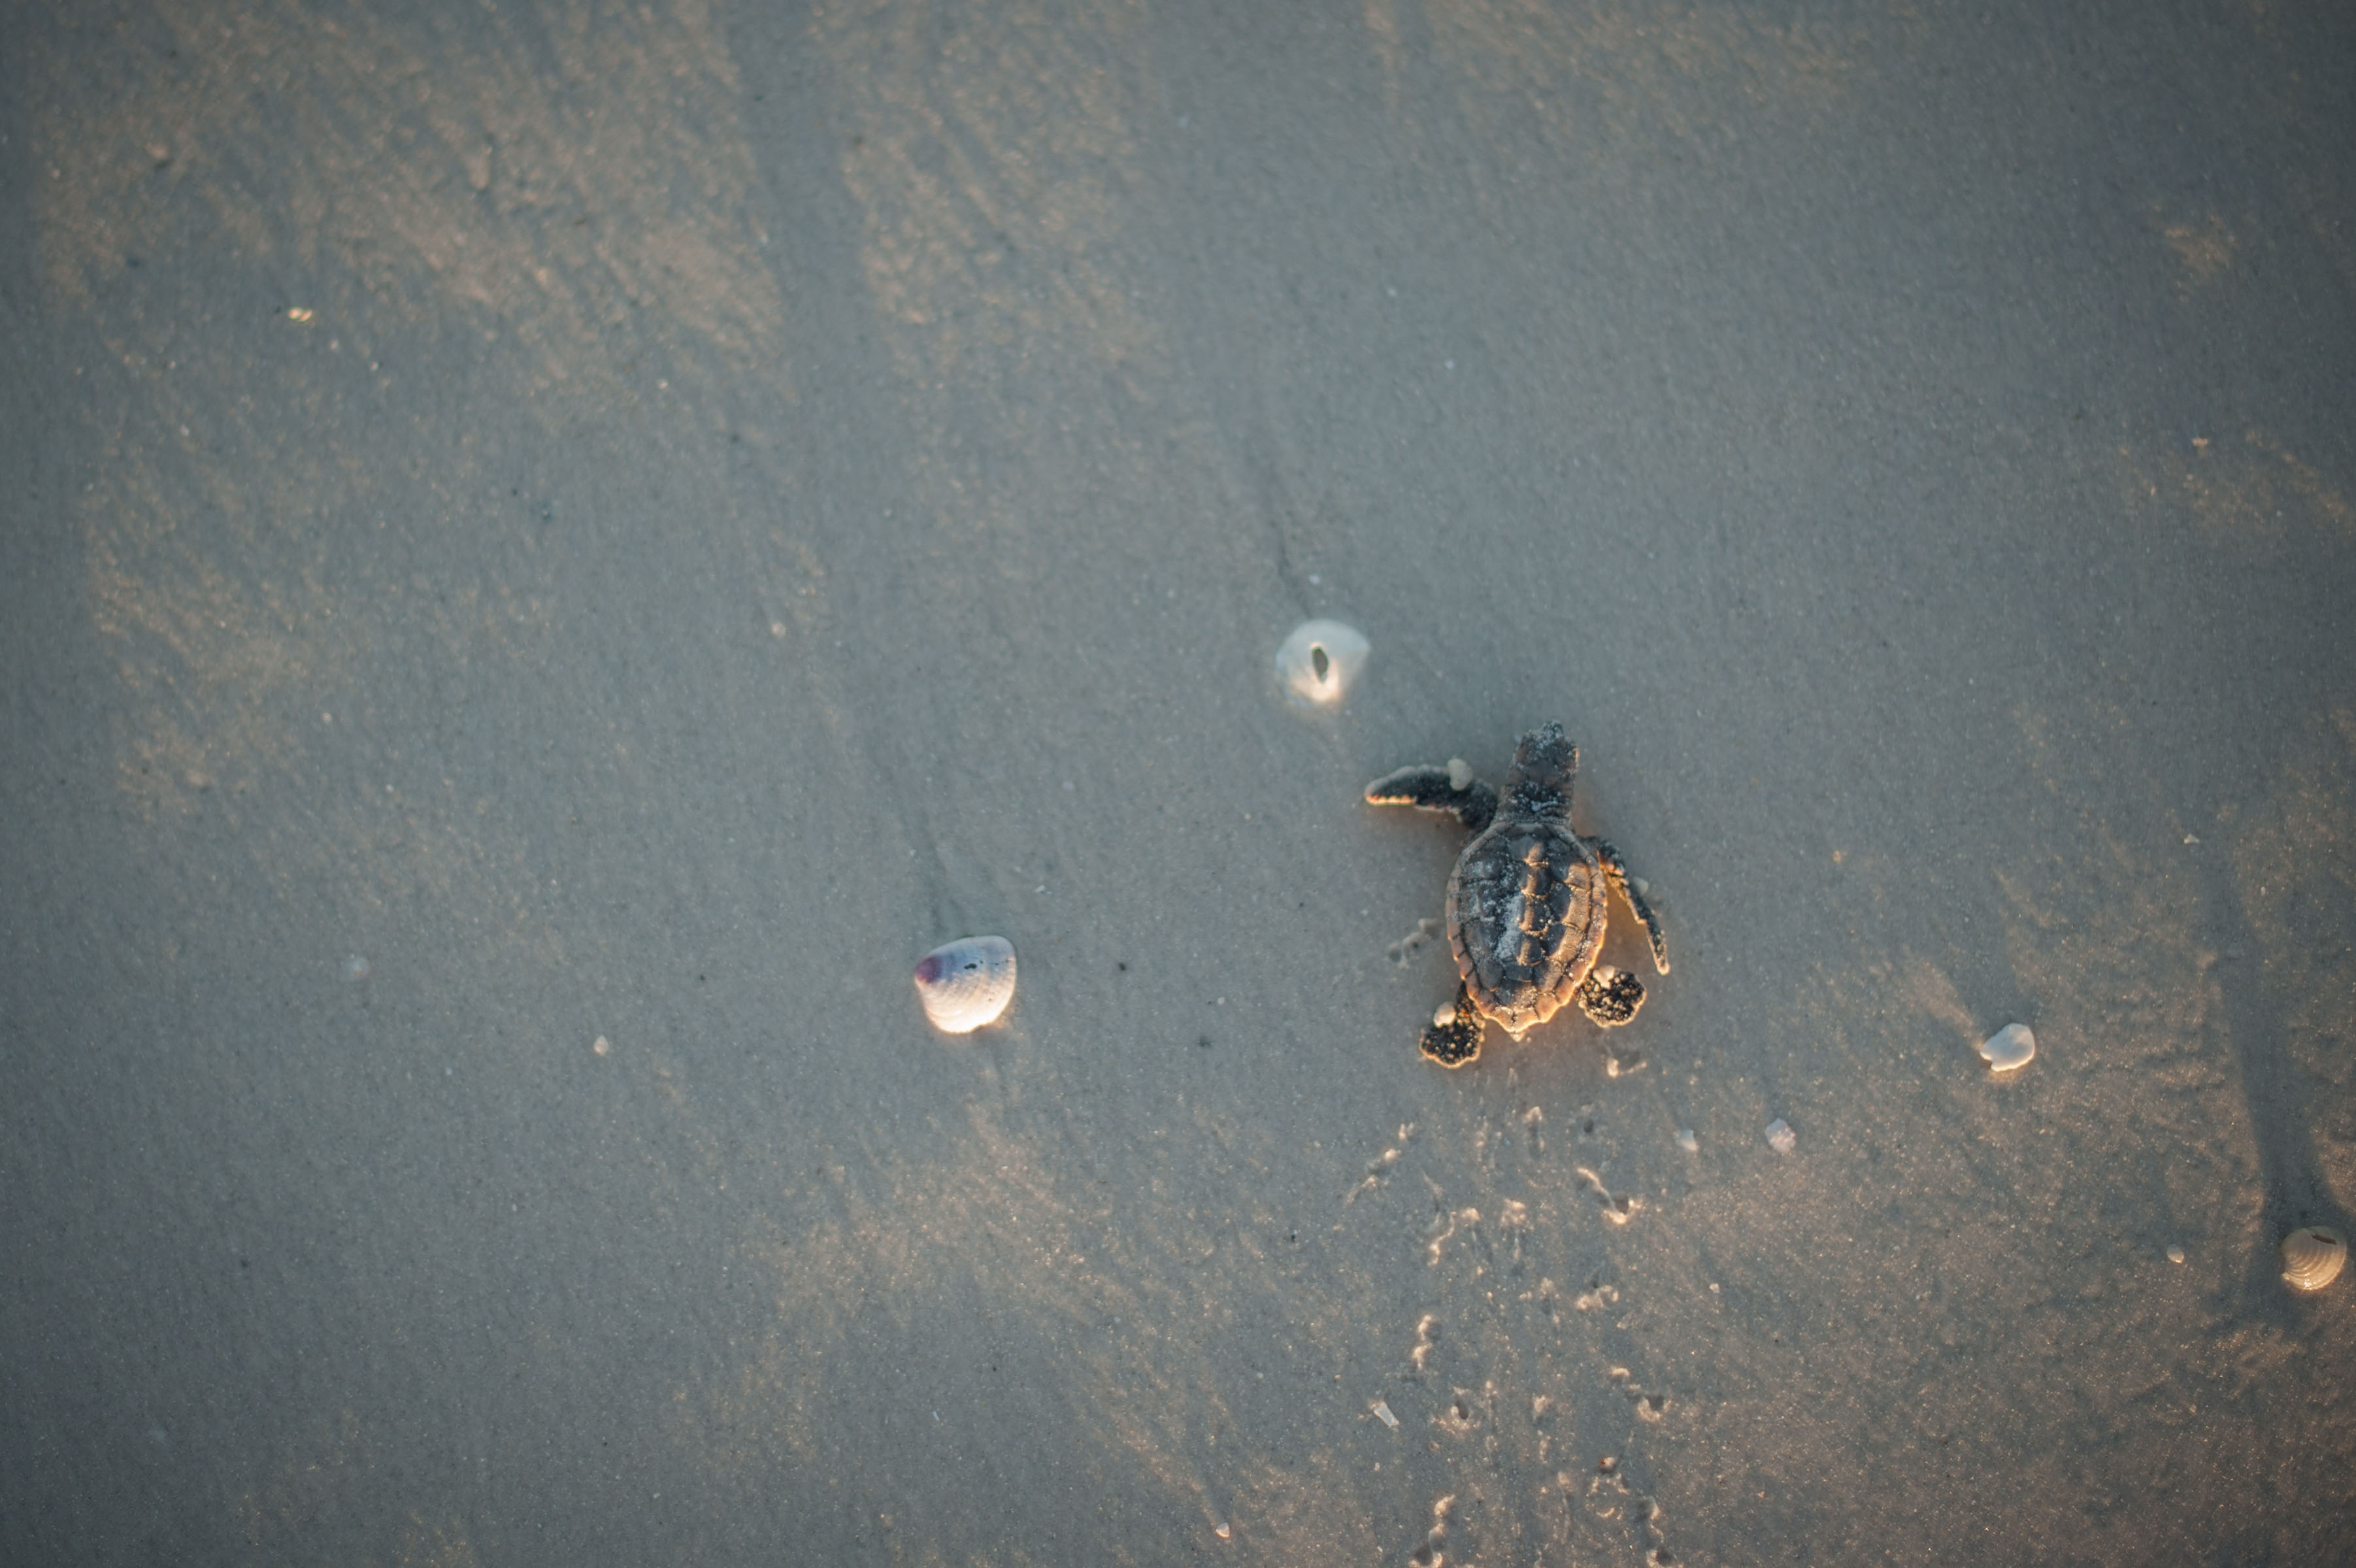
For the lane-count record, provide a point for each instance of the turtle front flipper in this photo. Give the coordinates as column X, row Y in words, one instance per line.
column 1617, row 871
column 1610, row 996
column 1453, row 1035
column 1451, row 788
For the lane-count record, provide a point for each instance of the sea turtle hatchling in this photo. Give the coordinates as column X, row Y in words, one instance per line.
column 1526, row 901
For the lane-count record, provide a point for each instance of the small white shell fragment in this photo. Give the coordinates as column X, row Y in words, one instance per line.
column 2176, row 1254
column 355, row 968
column 1382, row 1409
column 1319, row 661
column 603, row 1046
column 1460, row 773
column 1686, row 1141
column 2313, row 1257
column 1780, row 1136
column 2009, row 1047
column 966, row 983
column 1221, row 1529
column 1444, row 1015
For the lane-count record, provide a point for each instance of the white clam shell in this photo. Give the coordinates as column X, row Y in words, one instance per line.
column 2009, row 1048
column 1318, row 661
column 966, row 983
column 2313, row 1257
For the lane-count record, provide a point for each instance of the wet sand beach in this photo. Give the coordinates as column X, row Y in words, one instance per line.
column 553, row 551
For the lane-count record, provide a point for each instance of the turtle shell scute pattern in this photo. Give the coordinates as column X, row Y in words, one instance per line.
column 1525, row 920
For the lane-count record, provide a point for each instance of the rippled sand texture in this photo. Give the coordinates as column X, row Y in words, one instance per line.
column 555, row 550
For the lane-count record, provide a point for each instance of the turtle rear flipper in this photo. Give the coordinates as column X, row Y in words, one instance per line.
column 1451, row 788
column 1610, row 996
column 1453, row 1035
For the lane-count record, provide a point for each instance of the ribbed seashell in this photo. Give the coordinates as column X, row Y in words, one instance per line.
column 2009, row 1048
column 2313, row 1257
column 1318, row 661
column 966, row 983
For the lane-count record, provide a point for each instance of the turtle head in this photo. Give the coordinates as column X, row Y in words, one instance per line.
column 1539, row 782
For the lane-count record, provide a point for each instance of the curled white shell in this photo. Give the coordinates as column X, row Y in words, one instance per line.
column 1318, row 661
column 2009, row 1048
column 2313, row 1257
column 966, row 983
